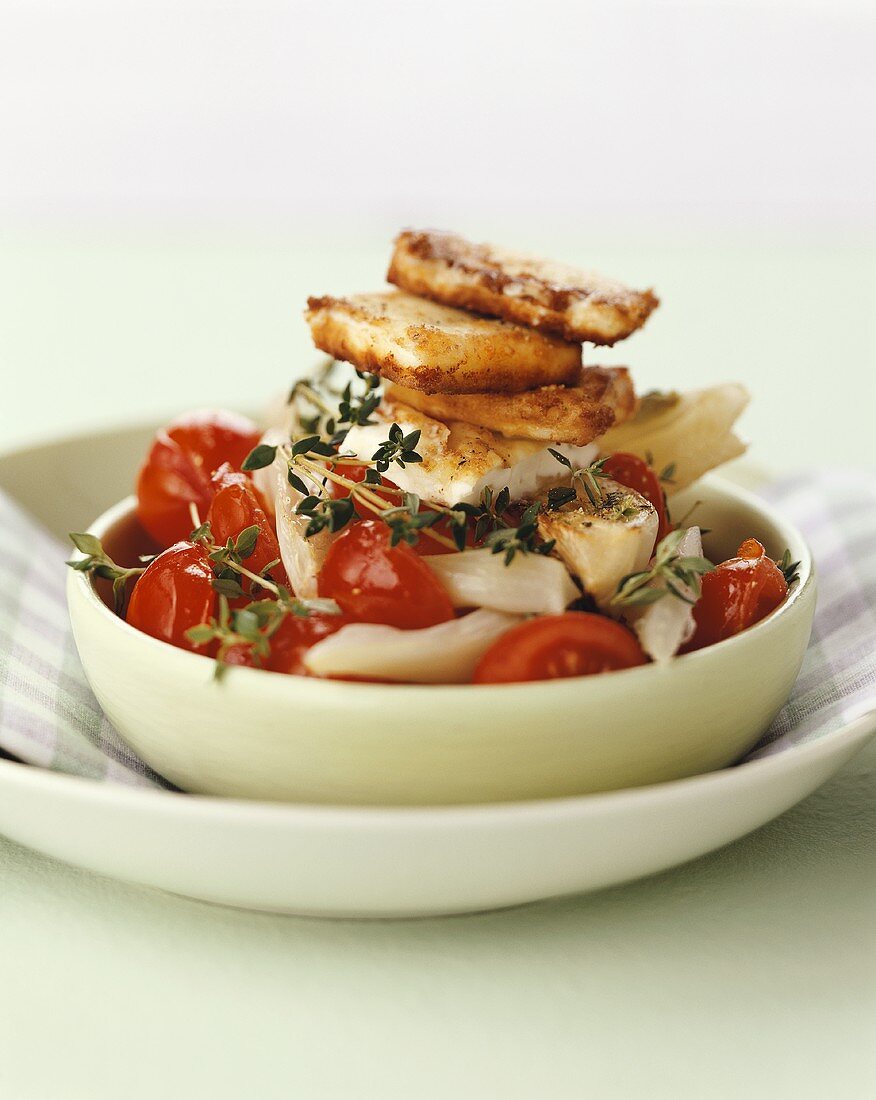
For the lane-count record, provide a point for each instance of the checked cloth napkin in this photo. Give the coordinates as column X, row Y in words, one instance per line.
column 50, row 718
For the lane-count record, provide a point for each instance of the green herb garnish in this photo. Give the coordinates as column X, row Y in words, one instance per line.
column 398, row 448
column 585, row 482
column 251, row 628
column 100, row 564
column 790, row 569
column 673, row 572
column 523, row 539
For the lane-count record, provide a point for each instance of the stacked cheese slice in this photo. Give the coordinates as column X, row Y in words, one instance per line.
column 480, row 349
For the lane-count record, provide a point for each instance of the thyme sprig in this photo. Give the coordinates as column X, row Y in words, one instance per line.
column 316, row 459
column 357, row 408
column 333, row 412
column 227, row 561
column 522, row 539
column 674, row 574
column 585, row 483
column 98, row 563
column 326, row 512
column 488, row 515
column 251, row 628
column 398, row 448
column 407, row 520
column 790, row 569
column 320, row 462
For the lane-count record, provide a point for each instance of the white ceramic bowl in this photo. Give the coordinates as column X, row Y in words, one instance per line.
column 266, row 736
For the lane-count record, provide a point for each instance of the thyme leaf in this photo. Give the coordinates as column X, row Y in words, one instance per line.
column 259, row 457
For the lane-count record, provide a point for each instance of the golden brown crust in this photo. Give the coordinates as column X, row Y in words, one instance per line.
column 557, row 298
column 435, row 349
column 600, row 398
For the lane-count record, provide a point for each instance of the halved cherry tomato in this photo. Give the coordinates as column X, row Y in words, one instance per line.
column 177, row 469
column 576, row 643
column 175, row 593
column 235, row 506
column 635, row 473
column 377, row 583
column 738, row 593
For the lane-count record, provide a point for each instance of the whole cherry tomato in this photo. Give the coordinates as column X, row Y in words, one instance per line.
column 175, row 593
column 295, row 636
column 374, row 582
column 738, row 593
column 576, row 643
column 289, row 642
column 177, row 469
column 235, row 506
column 635, row 473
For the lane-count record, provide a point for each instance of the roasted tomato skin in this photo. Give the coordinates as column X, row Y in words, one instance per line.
column 174, row 594
column 552, row 647
column 295, row 636
column 374, row 582
column 739, row 593
column 289, row 642
column 632, row 471
column 236, row 506
column 177, row 469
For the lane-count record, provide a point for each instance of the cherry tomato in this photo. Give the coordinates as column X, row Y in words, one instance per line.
column 289, row 642
column 576, row 643
column 376, row 583
column 295, row 636
column 177, row 469
column 740, row 592
column 175, row 593
column 235, row 506
column 635, row 473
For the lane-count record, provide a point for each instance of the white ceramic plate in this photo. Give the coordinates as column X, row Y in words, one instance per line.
column 366, row 861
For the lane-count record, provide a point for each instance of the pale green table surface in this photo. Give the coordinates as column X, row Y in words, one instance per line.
column 751, row 972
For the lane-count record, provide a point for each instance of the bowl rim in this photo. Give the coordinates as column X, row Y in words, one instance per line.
column 82, row 585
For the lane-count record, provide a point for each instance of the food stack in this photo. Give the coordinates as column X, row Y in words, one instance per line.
column 480, row 348
column 489, row 337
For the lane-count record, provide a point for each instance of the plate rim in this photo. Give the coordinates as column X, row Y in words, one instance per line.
column 207, row 807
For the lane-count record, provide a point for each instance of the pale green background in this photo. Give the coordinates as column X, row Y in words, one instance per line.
column 749, row 973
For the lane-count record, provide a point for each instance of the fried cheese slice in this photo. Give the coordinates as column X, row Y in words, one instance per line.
column 554, row 297
column 600, row 398
column 435, row 349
